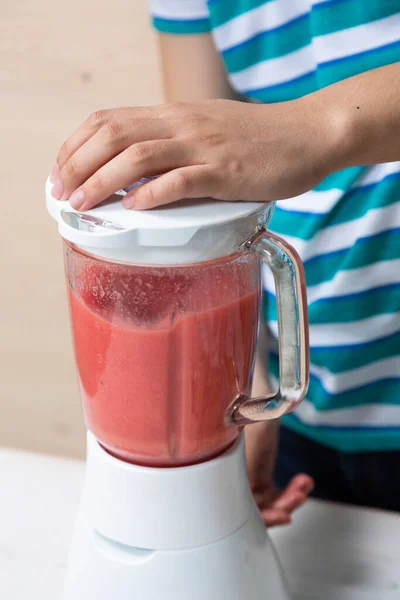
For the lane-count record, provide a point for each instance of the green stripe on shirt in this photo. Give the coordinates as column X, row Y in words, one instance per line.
column 333, row 17
column 303, row 225
column 286, row 91
column 298, row 33
column 273, row 43
column 326, row 74
column 334, row 71
column 366, row 251
column 357, row 396
column 342, row 180
column 360, row 305
column 348, row 439
column 343, row 358
column 350, row 307
column 225, row 11
column 181, row 26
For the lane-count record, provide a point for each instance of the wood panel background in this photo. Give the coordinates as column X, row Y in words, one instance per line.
column 59, row 61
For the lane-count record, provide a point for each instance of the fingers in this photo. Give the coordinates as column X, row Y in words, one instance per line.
column 290, row 502
column 295, row 493
column 136, row 161
column 186, row 182
column 279, row 511
column 119, row 128
column 303, row 483
column 92, row 124
column 100, row 146
column 274, row 517
column 80, row 136
column 263, row 497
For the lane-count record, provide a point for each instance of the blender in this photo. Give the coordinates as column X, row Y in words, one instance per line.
column 164, row 309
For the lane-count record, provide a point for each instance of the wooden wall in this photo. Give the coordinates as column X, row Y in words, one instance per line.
column 59, row 61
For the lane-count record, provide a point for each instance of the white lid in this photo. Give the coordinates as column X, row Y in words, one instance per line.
column 163, row 235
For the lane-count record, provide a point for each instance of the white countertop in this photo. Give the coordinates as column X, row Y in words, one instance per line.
column 330, row 552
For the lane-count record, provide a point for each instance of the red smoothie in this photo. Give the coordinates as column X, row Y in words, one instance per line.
column 162, row 353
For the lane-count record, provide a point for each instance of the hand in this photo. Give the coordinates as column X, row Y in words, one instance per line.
column 275, row 506
column 220, row 148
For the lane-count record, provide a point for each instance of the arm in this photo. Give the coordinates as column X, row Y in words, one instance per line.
column 363, row 116
column 192, row 69
column 231, row 150
column 276, row 507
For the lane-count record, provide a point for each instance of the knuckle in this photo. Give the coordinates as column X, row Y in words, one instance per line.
column 214, row 138
column 197, row 118
column 217, row 184
column 171, row 106
column 194, row 126
column 170, row 111
column 233, row 163
column 97, row 185
column 235, row 166
column 164, row 110
column 176, row 110
column 64, row 151
column 141, row 153
column 114, row 130
column 177, row 107
column 98, row 117
column 180, row 183
column 146, row 197
column 70, row 170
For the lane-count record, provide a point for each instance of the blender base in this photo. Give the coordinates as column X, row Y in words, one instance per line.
column 240, row 565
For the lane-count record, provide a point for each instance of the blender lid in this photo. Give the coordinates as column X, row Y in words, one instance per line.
column 172, row 225
column 110, row 229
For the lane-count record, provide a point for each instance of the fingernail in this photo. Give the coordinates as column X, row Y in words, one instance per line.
column 128, row 202
column 55, row 174
column 57, row 189
column 76, row 199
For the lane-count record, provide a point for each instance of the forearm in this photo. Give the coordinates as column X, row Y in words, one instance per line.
column 192, row 69
column 362, row 114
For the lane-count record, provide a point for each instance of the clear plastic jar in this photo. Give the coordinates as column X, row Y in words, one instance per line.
column 163, row 352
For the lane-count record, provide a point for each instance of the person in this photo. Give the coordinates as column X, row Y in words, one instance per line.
column 292, row 100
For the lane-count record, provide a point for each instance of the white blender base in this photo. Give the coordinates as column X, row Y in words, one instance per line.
column 239, row 566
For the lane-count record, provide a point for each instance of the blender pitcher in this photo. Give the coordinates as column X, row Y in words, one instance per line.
column 165, row 311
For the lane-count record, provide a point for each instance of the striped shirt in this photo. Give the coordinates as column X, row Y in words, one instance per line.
column 347, row 229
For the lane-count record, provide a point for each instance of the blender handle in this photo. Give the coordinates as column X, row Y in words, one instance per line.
column 292, row 313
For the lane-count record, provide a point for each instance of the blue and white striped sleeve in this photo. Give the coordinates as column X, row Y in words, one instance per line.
column 180, row 16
